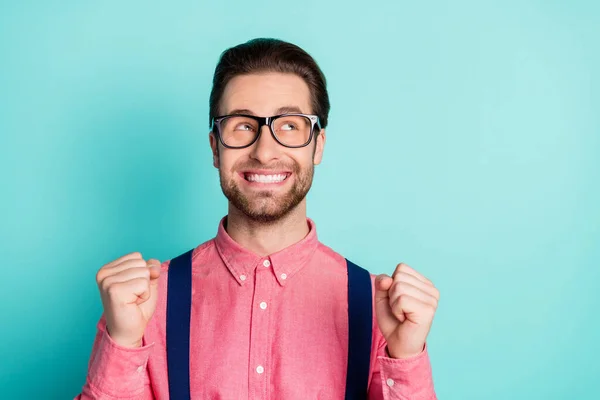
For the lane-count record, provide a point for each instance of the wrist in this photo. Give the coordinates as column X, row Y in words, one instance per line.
column 124, row 342
column 404, row 354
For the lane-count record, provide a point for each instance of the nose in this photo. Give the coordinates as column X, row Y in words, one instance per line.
column 266, row 148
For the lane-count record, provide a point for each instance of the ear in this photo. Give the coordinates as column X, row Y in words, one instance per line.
column 214, row 145
column 319, row 148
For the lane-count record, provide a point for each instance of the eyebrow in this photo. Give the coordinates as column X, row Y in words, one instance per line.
column 280, row 110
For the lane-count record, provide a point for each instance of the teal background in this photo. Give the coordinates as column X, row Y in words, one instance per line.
column 464, row 140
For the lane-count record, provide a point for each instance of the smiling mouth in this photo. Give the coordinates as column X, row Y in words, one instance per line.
column 261, row 178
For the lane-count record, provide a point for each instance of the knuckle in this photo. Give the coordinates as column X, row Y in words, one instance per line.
column 126, row 264
column 138, row 272
column 105, row 285
column 431, row 309
column 396, row 289
column 402, row 299
column 100, row 275
column 141, row 275
column 112, row 291
column 401, row 287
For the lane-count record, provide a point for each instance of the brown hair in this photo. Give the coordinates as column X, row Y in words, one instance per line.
column 270, row 55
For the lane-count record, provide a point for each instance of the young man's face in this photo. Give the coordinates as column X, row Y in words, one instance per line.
column 266, row 95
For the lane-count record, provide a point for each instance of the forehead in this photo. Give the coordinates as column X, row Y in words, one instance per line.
column 265, row 93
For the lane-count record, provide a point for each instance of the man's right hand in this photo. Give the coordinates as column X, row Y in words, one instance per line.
column 128, row 288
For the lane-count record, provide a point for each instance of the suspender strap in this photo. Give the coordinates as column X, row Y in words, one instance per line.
column 179, row 303
column 360, row 324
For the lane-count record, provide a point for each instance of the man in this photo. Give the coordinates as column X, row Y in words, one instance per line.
column 264, row 311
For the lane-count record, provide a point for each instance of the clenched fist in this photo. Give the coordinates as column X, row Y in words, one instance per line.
column 128, row 288
column 405, row 304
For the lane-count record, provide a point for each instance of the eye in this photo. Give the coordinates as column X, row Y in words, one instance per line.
column 288, row 126
column 291, row 124
column 244, row 127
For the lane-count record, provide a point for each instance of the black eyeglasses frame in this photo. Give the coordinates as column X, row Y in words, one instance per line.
column 268, row 121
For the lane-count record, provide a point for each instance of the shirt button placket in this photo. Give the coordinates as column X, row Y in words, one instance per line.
column 259, row 335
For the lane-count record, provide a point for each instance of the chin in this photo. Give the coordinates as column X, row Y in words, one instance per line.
column 267, row 214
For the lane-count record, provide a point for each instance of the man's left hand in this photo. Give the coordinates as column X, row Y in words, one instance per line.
column 405, row 304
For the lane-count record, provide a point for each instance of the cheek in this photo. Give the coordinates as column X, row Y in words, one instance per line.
column 304, row 159
column 230, row 159
column 226, row 165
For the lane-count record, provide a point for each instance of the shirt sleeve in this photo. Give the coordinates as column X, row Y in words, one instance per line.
column 401, row 379
column 116, row 372
column 398, row 379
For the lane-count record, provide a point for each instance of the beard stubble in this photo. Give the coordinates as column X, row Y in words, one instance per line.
column 265, row 206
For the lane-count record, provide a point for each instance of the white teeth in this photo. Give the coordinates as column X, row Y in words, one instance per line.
column 266, row 178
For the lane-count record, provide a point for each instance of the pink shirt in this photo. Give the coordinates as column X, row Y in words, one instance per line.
column 272, row 327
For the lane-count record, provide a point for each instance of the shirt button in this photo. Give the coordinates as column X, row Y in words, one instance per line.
column 390, row 382
column 267, row 263
column 260, row 369
column 242, row 277
column 283, row 276
column 263, row 305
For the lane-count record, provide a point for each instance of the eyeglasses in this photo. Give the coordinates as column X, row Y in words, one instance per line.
column 238, row 131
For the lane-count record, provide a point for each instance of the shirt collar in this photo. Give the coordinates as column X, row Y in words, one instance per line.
column 285, row 263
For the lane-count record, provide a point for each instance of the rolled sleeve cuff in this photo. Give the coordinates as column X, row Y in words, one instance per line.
column 119, row 371
column 407, row 378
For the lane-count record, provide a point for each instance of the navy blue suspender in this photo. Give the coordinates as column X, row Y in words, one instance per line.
column 179, row 300
column 360, row 324
column 179, row 305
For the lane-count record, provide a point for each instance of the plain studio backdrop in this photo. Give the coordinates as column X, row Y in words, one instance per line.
column 464, row 140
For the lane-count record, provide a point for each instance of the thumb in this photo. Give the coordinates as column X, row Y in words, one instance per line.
column 149, row 304
column 385, row 318
column 383, row 283
column 154, row 266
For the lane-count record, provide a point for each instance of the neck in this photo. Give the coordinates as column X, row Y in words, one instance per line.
column 264, row 239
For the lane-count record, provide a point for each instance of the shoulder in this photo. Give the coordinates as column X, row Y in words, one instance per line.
column 326, row 255
column 338, row 263
column 199, row 253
